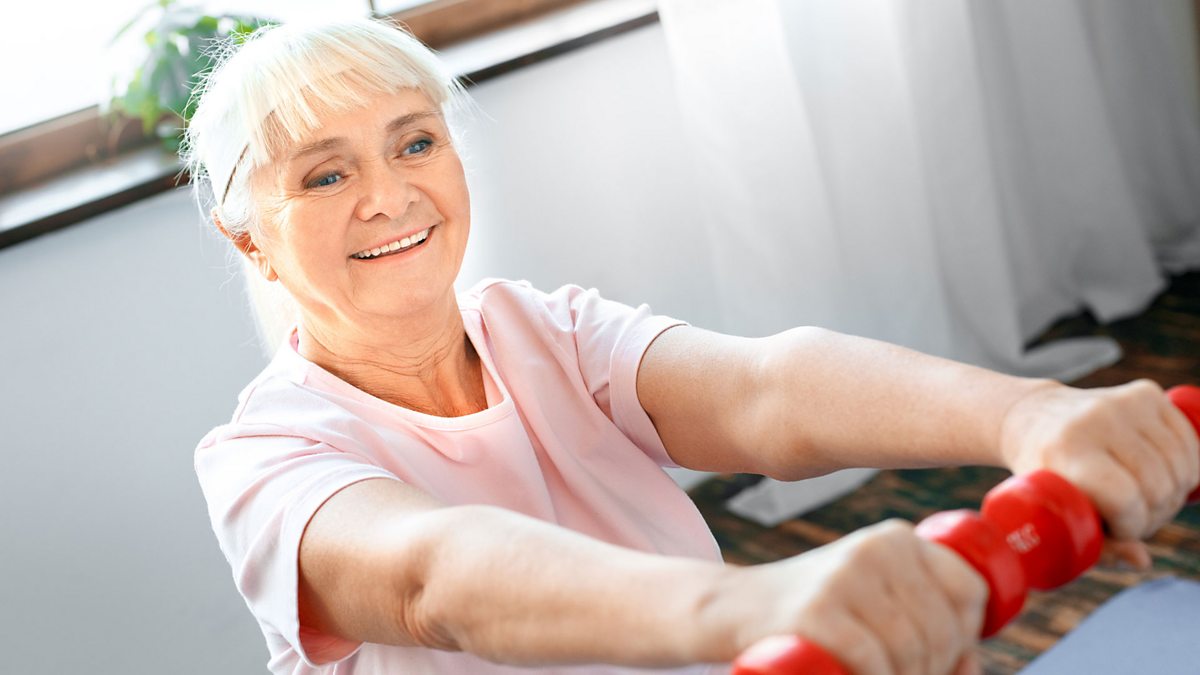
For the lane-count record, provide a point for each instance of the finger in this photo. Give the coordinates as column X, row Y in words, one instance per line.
column 1152, row 455
column 879, row 607
column 958, row 608
column 887, row 615
column 1168, row 429
column 1189, row 441
column 1132, row 554
column 1115, row 493
column 965, row 587
column 1157, row 429
column 854, row 645
column 1138, row 453
column 1161, row 487
column 1157, row 487
column 969, row 664
column 926, row 608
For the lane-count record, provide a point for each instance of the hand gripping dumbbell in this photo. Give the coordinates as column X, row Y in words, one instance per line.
column 1036, row 531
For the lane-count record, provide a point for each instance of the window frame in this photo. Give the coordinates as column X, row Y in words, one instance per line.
column 42, row 151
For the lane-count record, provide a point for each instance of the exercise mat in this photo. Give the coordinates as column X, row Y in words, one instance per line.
column 1150, row 628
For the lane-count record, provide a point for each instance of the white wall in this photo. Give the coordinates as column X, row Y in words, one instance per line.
column 124, row 341
column 126, row 338
column 581, row 176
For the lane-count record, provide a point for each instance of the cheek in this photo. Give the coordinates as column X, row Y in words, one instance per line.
column 310, row 235
column 318, row 220
column 454, row 196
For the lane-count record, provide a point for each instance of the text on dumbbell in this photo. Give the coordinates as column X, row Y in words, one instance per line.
column 1025, row 539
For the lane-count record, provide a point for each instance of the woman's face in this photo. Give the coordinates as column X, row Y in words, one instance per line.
column 368, row 218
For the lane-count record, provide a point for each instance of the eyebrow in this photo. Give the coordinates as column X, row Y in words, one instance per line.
column 328, row 143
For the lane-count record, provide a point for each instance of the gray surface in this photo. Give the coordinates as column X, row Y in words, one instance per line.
column 1151, row 628
column 124, row 340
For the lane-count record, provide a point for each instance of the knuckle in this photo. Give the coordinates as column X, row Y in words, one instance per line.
column 896, row 527
column 1148, row 387
column 884, row 537
column 1141, row 388
column 1094, row 407
column 1132, row 522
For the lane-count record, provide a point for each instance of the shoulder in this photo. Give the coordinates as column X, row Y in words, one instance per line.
column 282, row 408
column 493, row 291
column 559, row 309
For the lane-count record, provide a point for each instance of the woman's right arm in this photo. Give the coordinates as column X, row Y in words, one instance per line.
column 382, row 562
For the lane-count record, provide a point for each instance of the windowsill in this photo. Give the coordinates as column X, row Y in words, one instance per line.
column 90, row 191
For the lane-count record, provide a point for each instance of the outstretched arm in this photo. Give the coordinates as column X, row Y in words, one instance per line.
column 809, row 401
column 381, row 562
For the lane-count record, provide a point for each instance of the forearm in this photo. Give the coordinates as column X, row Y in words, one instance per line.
column 831, row 401
column 516, row 590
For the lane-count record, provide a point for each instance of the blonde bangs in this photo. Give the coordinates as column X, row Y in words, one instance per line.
column 298, row 116
column 331, row 69
column 271, row 92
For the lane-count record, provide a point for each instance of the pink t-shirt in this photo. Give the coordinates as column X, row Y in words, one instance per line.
column 564, row 439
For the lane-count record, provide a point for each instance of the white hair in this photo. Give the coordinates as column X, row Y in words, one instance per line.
column 271, row 90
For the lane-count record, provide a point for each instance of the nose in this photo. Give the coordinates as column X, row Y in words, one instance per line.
column 385, row 191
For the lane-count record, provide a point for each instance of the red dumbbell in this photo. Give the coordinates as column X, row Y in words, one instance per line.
column 1037, row 530
column 1187, row 399
column 1026, row 548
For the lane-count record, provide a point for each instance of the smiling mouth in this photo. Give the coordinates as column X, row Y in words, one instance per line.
column 394, row 247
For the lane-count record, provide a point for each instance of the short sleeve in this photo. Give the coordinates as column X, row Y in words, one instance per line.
column 611, row 338
column 262, row 486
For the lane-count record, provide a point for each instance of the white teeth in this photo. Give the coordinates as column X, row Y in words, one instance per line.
column 394, row 246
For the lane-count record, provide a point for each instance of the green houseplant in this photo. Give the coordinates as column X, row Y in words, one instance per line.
column 163, row 50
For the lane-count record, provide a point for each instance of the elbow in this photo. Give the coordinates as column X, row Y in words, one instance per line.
column 430, row 607
column 785, row 450
column 448, row 578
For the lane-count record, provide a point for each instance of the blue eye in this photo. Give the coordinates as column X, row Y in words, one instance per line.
column 421, row 146
column 326, row 180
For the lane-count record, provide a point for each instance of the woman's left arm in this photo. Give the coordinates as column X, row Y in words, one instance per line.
column 810, row 401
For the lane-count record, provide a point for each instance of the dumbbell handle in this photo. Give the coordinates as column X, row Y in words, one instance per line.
column 793, row 655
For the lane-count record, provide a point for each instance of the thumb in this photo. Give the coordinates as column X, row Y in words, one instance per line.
column 969, row 664
column 1132, row 553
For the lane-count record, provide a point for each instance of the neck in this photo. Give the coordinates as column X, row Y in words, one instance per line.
column 425, row 363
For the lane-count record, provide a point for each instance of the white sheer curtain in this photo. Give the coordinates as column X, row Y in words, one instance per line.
column 950, row 175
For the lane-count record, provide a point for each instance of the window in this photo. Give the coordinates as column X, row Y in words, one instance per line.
column 52, row 122
column 73, row 62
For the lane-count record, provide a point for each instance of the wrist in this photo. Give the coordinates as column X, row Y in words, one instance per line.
column 724, row 620
column 1014, row 420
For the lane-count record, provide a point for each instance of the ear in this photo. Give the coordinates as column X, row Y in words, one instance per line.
column 245, row 244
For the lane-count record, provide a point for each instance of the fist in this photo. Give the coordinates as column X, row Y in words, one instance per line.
column 1128, row 448
column 881, row 601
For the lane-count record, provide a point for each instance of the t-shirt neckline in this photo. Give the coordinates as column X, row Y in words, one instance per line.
column 313, row 374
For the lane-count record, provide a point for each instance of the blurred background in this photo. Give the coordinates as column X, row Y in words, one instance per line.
column 954, row 176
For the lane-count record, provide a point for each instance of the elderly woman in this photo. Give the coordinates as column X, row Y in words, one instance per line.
column 425, row 482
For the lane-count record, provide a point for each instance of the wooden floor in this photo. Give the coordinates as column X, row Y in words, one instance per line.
column 1162, row 344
